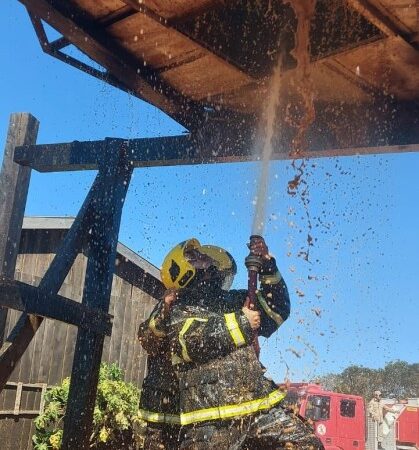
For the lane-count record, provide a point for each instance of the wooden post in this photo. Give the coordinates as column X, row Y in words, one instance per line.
column 14, row 185
column 116, row 170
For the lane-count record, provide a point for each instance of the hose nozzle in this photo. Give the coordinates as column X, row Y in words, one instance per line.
column 253, row 262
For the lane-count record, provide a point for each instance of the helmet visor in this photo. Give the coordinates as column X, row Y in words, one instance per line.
column 224, row 263
column 223, row 260
column 227, row 282
column 199, row 260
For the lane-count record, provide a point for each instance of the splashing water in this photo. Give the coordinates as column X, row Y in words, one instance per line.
column 304, row 11
column 266, row 132
column 303, row 84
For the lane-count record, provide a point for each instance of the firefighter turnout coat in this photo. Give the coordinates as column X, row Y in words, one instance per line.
column 219, row 374
column 159, row 401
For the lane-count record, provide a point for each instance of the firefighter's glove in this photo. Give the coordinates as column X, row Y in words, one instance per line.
column 253, row 317
column 258, row 247
column 169, row 297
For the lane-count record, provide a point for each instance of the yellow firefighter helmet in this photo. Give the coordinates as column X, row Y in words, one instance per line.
column 179, row 269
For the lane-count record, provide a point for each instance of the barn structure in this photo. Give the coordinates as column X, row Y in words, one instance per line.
column 351, row 86
column 48, row 359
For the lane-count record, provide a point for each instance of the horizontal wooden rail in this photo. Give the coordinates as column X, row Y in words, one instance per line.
column 33, row 300
column 167, row 151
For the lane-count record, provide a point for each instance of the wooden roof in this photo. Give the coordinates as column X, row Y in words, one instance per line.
column 208, row 61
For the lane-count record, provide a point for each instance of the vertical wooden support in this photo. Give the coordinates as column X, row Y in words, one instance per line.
column 16, row 410
column 116, row 172
column 42, row 404
column 14, row 185
column 28, row 324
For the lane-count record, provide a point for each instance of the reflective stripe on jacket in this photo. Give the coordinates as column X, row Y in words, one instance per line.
column 217, row 413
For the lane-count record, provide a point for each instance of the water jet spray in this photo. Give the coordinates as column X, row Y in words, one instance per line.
column 267, row 129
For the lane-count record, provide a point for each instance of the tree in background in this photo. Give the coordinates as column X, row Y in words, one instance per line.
column 115, row 417
column 398, row 379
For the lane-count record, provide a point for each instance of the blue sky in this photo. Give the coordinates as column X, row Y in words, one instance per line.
column 355, row 300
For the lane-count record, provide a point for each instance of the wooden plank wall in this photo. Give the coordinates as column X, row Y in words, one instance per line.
column 49, row 357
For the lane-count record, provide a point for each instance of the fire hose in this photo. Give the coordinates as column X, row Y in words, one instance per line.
column 253, row 264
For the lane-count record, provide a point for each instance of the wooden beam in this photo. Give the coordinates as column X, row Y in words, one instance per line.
column 31, row 386
column 116, row 170
column 18, row 399
column 88, row 154
column 116, row 16
column 383, row 20
column 143, row 80
column 53, row 49
column 58, row 44
column 206, row 49
column 195, row 10
column 168, row 151
column 14, row 185
column 355, row 151
column 33, row 300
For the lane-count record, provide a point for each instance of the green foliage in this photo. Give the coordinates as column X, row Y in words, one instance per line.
column 398, row 379
column 114, row 420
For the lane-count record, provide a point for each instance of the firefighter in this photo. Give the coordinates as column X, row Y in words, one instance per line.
column 159, row 401
column 225, row 399
column 376, row 410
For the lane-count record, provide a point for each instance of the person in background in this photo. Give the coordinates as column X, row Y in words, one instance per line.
column 377, row 410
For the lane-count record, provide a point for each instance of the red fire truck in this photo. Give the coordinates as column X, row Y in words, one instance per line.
column 341, row 421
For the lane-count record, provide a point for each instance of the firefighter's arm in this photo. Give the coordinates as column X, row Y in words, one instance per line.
column 153, row 331
column 203, row 339
column 273, row 298
column 389, row 408
column 371, row 408
column 151, row 344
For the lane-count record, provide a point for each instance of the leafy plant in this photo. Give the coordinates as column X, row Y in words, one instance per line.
column 115, row 417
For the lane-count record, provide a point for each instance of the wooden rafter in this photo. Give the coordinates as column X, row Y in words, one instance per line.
column 195, row 10
column 54, row 49
column 143, row 80
column 143, row 9
column 382, row 19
